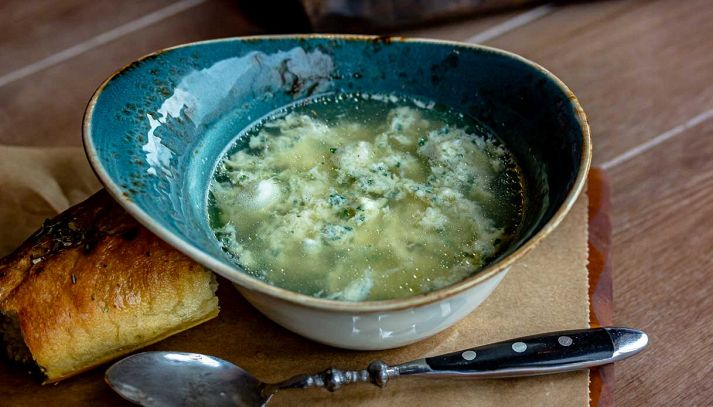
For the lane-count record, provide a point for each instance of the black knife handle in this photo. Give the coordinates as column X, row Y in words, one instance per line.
column 533, row 355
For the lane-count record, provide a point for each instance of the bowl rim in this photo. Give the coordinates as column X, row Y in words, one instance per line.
column 247, row 282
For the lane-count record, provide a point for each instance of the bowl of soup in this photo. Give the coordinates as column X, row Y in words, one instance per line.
column 364, row 192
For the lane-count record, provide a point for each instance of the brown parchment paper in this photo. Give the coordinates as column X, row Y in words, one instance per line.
column 545, row 291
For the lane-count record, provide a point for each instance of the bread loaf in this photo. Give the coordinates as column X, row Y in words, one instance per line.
column 92, row 285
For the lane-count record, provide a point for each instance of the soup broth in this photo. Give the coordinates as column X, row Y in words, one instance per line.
column 360, row 197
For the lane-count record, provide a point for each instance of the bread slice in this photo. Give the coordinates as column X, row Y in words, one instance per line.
column 92, row 285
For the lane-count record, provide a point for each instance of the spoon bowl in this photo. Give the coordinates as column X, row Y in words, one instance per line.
column 192, row 380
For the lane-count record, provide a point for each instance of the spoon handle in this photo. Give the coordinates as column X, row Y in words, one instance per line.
column 554, row 352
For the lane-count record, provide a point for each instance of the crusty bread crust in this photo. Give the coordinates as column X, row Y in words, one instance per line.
column 93, row 285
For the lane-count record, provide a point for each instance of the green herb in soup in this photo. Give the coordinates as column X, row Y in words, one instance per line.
column 365, row 197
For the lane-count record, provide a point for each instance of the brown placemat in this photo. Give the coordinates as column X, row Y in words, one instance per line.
column 547, row 290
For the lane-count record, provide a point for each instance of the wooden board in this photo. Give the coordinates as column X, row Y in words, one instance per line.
column 601, row 311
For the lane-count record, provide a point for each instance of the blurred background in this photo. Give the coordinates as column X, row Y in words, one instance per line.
column 55, row 53
column 642, row 69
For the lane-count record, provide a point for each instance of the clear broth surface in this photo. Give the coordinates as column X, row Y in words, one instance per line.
column 360, row 197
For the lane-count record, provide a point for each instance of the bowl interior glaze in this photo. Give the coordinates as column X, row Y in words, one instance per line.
column 155, row 130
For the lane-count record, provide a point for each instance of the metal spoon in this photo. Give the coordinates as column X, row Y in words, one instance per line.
column 190, row 379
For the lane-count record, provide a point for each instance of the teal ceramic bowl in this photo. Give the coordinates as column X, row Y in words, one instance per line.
column 155, row 130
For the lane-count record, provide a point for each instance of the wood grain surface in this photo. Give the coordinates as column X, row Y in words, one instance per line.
column 638, row 67
column 662, row 245
column 46, row 108
column 643, row 71
column 33, row 30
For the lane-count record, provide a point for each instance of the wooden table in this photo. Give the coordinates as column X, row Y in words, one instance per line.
column 643, row 71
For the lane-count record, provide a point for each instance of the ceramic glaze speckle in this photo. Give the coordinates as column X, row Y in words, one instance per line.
column 155, row 131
